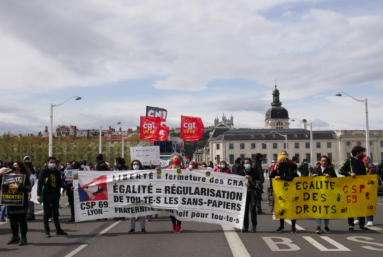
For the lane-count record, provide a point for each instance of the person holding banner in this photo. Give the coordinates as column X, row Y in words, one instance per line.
column 48, row 193
column 18, row 214
column 284, row 171
column 222, row 167
column 251, row 199
column 323, row 168
column 353, row 167
column 136, row 165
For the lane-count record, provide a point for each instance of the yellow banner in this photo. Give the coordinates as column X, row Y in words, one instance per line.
column 325, row 198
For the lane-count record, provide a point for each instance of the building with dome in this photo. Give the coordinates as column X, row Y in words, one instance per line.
column 227, row 143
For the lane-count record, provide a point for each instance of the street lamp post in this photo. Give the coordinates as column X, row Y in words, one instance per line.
column 50, row 144
column 123, row 147
column 285, row 136
column 367, row 126
column 311, row 143
column 100, row 144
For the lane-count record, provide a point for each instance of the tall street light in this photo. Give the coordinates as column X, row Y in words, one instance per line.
column 311, row 142
column 50, row 144
column 285, row 136
column 367, row 126
column 123, row 147
column 100, row 144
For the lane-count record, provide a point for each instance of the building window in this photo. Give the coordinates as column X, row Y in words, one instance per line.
column 381, row 143
column 231, row 146
column 279, row 125
column 318, row 144
column 242, row 146
column 307, row 145
column 359, row 143
column 348, row 143
column 348, row 155
column 231, row 159
column 308, row 157
column 297, row 156
column 275, row 145
column 318, row 157
column 381, row 155
column 329, row 155
column 370, row 143
column 264, row 160
column 264, row 146
column 296, row 145
column 252, row 145
column 218, row 145
column 253, row 157
column 329, row 145
column 284, row 146
column 275, row 157
column 242, row 156
column 218, row 158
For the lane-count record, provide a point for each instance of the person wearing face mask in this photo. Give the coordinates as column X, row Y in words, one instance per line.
column 176, row 164
column 136, row 165
column 251, row 198
column 222, row 167
column 284, row 171
column 119, row 164
column 50, row 179
column 18, row 214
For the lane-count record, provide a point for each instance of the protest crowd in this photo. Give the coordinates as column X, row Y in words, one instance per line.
column 52, row 185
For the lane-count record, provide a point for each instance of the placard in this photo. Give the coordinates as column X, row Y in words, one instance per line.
column 10, row 196
column 146, row 154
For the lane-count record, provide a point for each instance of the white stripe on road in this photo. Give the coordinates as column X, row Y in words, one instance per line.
column 76, row 250
column 380, row 203
column 108, row 228
column 339, row 247
column 237, row 247
column 375, row 228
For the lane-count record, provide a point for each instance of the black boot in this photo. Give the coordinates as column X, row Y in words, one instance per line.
column 47, row 234
column 31, row 217
column 14, row 240
column 60, row 232
column 23, row 241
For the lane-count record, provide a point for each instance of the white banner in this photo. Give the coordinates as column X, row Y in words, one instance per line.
column 200, row 196
column 146, row 154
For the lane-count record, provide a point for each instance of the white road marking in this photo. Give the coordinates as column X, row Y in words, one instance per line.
column 238, row 249
column 376, row 228
column 108, row 228
column 339, row 247
column 274, row 245
column 76, row 250
column 380, row 203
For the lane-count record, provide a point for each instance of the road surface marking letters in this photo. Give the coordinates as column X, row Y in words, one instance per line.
column 321, row 247
column 285, row 241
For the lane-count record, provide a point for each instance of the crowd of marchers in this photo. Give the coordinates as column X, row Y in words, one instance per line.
column 50, row 180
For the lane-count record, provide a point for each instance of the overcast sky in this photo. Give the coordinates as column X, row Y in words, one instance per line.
column 199, row 58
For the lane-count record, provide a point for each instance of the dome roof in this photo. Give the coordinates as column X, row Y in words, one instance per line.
column 277, row 112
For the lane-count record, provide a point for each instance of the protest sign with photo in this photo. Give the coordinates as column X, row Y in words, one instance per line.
column 146, row 154
column 199, row 196
column 325, row 198
column 10, row 196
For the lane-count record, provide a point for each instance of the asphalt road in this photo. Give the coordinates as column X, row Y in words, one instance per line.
column 110, row 238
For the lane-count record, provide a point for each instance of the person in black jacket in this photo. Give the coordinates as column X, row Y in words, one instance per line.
column 18, row 214
column 237, row 167
column 324, row 168
column 257, row 165
column 251, row 198
column 284, row 171
column 50, row 178
column 353, row 167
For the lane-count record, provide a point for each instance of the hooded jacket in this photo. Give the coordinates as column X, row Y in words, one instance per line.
column 257, row 165
column 352, row 165
column 328, row 170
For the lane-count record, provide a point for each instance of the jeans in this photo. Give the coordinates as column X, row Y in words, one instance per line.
column 31, row 208
column 326, row 222
column 4, row 212
column 133, row 222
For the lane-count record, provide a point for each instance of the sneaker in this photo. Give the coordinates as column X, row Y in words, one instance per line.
column 50, row 219
column 365, row 229
column 148, row 219
column 356, row 222
column 174, row 228
column 370, row 223
column 351, row 229
column 14, row 240
column 131, row 231
column 254, row 230
column 23, row 241
column 143, row 231
column 318, row 230
column 293, row 230
column 280, row 229
column 178, row 229
column 61, row 232
column 47, row 234
column 327, row 230
column 137, row 219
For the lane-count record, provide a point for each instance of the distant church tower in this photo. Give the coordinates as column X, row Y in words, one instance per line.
column 225, row 122
column 277, row 117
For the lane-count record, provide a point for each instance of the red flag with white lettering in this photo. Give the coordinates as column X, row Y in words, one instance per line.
column 192, row 128
column 149, row 127
column 163, row 134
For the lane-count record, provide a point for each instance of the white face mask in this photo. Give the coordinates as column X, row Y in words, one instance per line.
column 52, row 165
column 136, row 167
column 223, row 166
column 190, row 166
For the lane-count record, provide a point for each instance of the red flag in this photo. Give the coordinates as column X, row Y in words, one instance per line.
column 192, row 128
column 163, row 134
column 149, row 127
